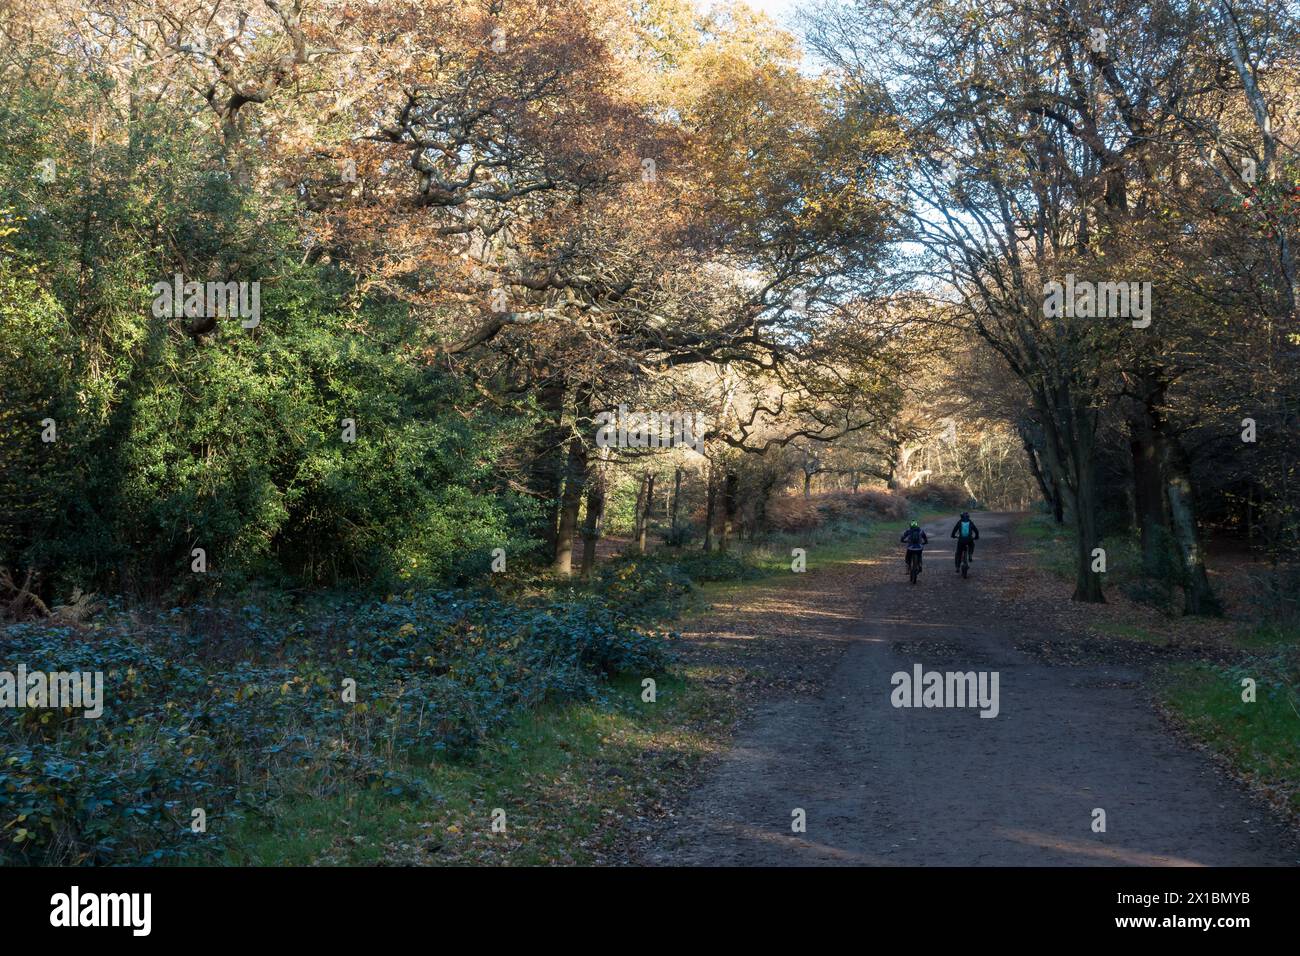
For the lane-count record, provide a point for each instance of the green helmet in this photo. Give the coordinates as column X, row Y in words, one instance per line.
column 916, row 524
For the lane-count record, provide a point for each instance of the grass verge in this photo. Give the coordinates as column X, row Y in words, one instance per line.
column 1255, row 733
column 563, row 785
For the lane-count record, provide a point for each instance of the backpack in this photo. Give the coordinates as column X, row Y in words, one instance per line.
column 964, row 530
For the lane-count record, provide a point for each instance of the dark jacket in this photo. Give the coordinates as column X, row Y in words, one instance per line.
column 914, row 537
column 974, row 531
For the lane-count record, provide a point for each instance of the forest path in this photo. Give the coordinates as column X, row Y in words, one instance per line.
column 942, row 786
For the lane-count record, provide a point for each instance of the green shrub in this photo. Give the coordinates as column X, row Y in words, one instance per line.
column 222, row 710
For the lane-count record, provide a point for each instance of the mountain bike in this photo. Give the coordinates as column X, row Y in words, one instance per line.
column 913, row 563
column 965, row 559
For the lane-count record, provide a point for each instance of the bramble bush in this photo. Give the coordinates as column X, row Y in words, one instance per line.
column 797, row 513
column 941, row 495
column 224, row 711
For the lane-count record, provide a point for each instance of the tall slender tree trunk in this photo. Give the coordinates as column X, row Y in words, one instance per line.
column 547, row 469
column 728, row 510
column 645, row 513
column 1087, row 587
column 1148, row 500
column 1046, row 482
column 575, row 479
column 594, row 519
column 1163, row 477
column 676, row 505
column 570, row 503
column 760, row 504
column 711, row 507
column 1148, row 482
column 638, row 514
column 1083, row 443
column 1198, row 596
column 1069, row 439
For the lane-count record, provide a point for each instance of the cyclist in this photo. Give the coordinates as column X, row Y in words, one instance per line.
column 915, row 539
column 966, row 534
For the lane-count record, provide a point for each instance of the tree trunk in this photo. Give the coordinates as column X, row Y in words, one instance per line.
column 574, row 481
column 1148, row 482
column 546, row 471
column 761, row 501
column 728, row 510
column 899, row 467
column 676, row 506
column 1069, row 439
column 638, row 514
column 1198, row 597
column 594, row 520
column 645, row 514
column 1087, row 586
column 1047, row 484
column 711, row 507
column 1083, row 440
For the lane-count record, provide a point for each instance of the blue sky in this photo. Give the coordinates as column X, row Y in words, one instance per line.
column 778, row 10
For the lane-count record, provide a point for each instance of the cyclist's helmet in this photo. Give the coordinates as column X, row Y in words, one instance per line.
column 916, row 524
column 965, row 516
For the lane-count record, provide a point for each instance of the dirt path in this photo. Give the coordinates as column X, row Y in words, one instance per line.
column 943, row 786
